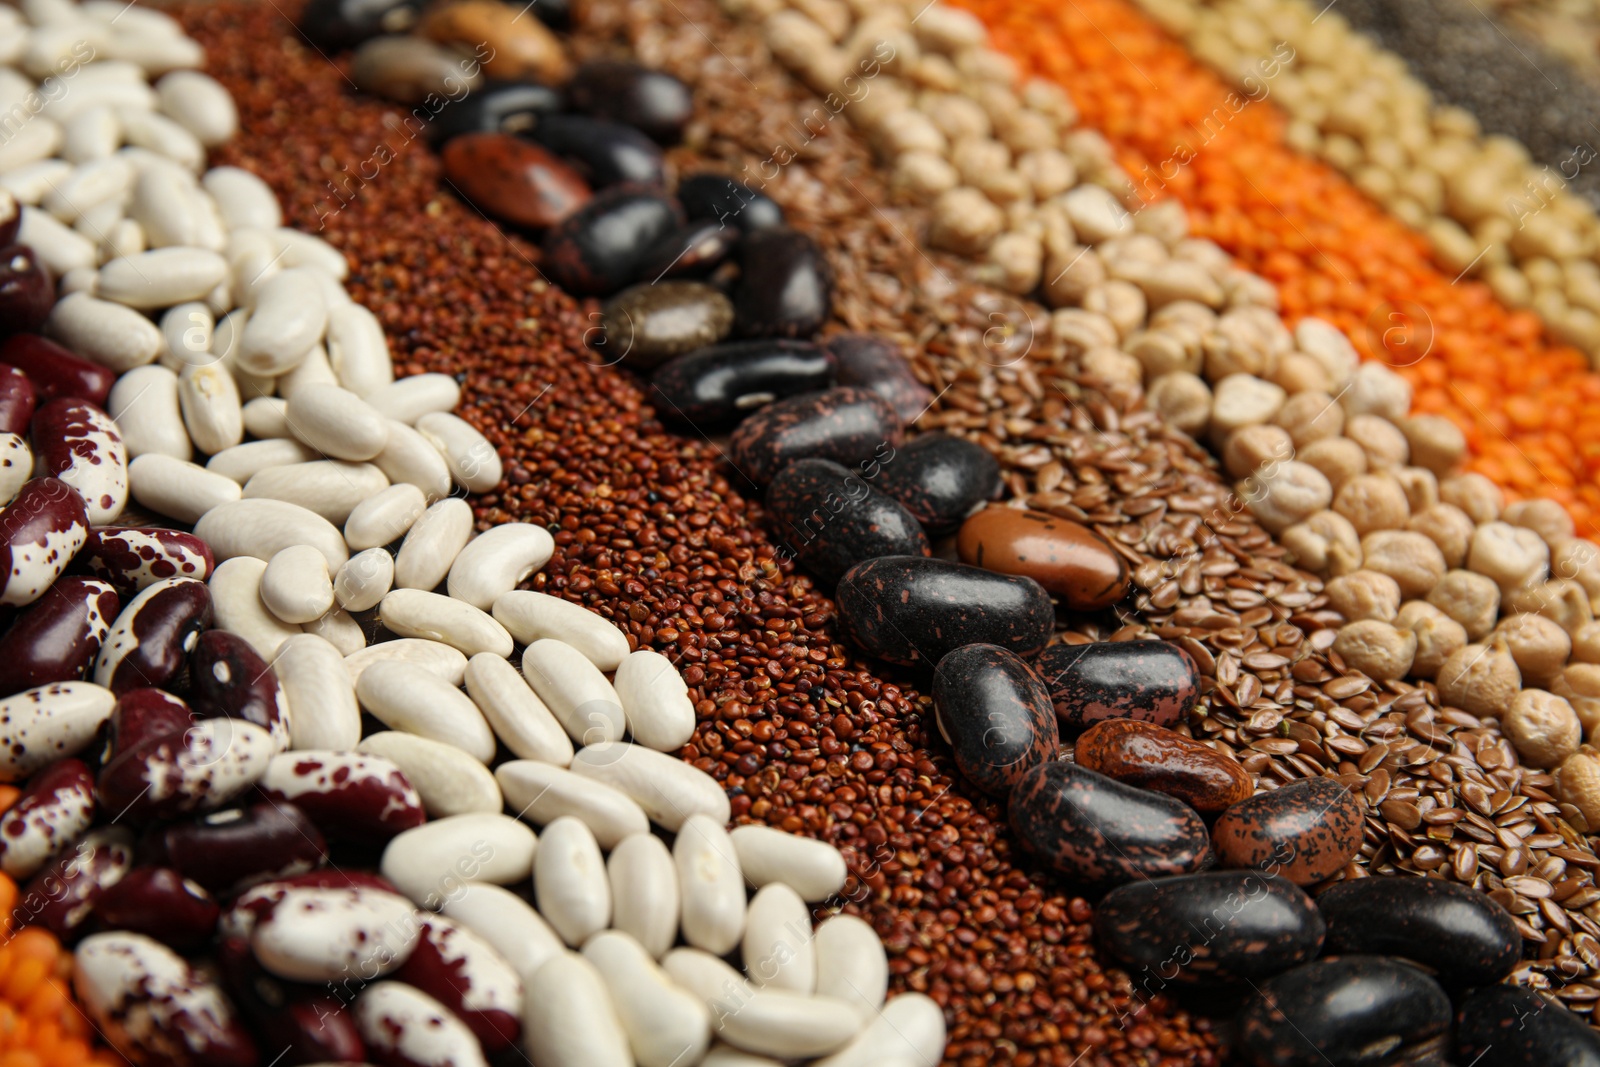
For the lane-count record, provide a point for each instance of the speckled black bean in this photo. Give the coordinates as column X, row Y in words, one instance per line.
column 941, row 479
column 605, row 153
column 498, row 107
column 334, row 25
column 651, row 101
column 996, row 715
column 1196, row 928
column 1099, row 833
column 721, row 384
column 1510, row 1026
column 690, row 251
column 597, row 249
column 1305, row 831
column 1456, row 930
column 1152, row 681
column 830, row 519
column 785, row 287
column 910, row 609
column 848, row 426
column 876, row 363
column 711, row 196
column 1348, row 1011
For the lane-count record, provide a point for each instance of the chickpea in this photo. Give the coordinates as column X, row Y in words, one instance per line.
column 1421, row 487
column 1380, row 439
column 1513, row 556
column 1561, row 600
column 1586, row 643
column 1182, row 400
column 1588, row 709
column 1582, row 679
column 1577, row 783
column 1377, row 390
column 1372, row 502
column 1474, row 494
column 1446, row 526
column 1543, row 728
column 1251, row 448
column 1284, row 493
column 1470, row 599
column 1327, row 344
column 1578, row 559
column 1438, row 636
column 1545, row 517
column 1436, row 443
column 1310, row 416
column 1324, row 543
column 1481, row 680
column 1338, row 458
column 1376, row 649
column 1409, row 558
column 1364, row 594
column 1298, row 373
column 1540, row 647
column 1243, row 400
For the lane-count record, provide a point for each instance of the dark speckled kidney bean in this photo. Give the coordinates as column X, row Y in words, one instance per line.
column 1305, row 831
column 597, row 249
column 1457, row 931
column 1349, row 1011
column 141, row 714
column 712, row 196
column 151, row 640
column 606, row 153
column 876, row 363
column 648, row 100
column 940, row 479
column 690, row 251
column 10, row 218
column 996, row 715
column 498, row 107
column 830, row 519
column 53, row 811
column 848, row 426
column 466, row 974
column 240, row 846
column 907, row 609
column 1510, row 1026
column 17, row 400
column 27, row 292
column 351, row 796
column 335, row 25
column 1067, row 558
column 1097, row 832
column 1153, row 757
column 310, row 1027
column 77, row 442
column 40, row 531
column 646, row 324
column 160, row 903
column 785, row 287
column 1197, row 928
column 58, row 637
column 174, row 774
column 56, row 372
column 62, row 897
column 721, row 384
column 230, row 678
column 133, row 558
column 1148, row 680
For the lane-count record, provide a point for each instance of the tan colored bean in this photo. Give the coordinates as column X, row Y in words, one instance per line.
column 1438, row 636
column 1338, row 458
column 1298, row 373
column 1481, row 680
column 1182, row 400
column 1376, row 648
column 1420, row 485
column 1586, row 643
column 1577, row 782
column 1513, row 556
column 1540, row 646
column 1469, row 598
column 1411, row 559
column 1545, row 517
column 1436, row 443
column 1558, row 599
column 1283, row 494
column 1380, row 439
column 1250, row 448
column 1325, row 543
column 1364, row 594
column 1578, row 559
column 1543, row 728
column 1243, row 400
column 1377, row 390
column 1474, row 494
column 1373, row 502
column 1310, row 416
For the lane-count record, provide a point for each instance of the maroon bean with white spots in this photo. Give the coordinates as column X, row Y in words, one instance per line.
column 255, row 903
column 469, row 976
column 133, row 558
column 58, row 637
column 201, row 769
column 230, row 678
column 160, row 903
column 144, row 713
column 152, row 638
column 240, row 846
column 54, row 811
column 77, row 442
column 311, row 1027
column 55, row 371
column 18, row 398
column 40, row 531
column 404, row 1027
column 61, row 898
column 350, row 795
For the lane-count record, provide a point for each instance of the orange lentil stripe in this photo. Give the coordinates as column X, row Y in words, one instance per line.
column 40, row 1026
column 1530, row 408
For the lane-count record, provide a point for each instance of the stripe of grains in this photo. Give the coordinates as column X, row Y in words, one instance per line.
column 651, row 533
column 1531, row 410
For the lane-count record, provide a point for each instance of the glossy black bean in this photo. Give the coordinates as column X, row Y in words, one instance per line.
column 712, row 196
column 848, row 426
column 605, row 153
column 830, row 519
column 1510, row 1026
column 27, row 292
column 651, row 101
column 785, row 286
column 910, row 609
column 1346, row 1011
column 941, row 479
column 160, row 903
column 721, row 384
column 691, row 251
column 645, row 324
column 227, row 849
column 59, row 635
column 1457, row 931
column 876, row 363
column 230, row 678
column 996, row 715
column 597, row 250
column 498, row 107
column 334, row 25
column 1152, row 681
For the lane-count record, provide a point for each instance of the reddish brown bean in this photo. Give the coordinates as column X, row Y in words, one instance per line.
column 56, row 372
column 58, row 637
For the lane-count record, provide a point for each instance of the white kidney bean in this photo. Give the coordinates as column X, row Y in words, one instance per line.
column 384, row 517
column 36, row 139
column 162, row 277
column 165, row 207
column 178, row 489
column 209, row 398
column 337, row 422
column 314, row 370
column 145, row 404
column 329, row 488
column 786, row 1025
column 358, row 350
column 851, row 964
column 406, row 697
column 665, row 1023
column 514, row 711
column 90, row 185
column 109, row 334
column 710, row 885
column 364, row 580
column 778, row 947
column 568, row 1018
column 302, row 249
column 506, row 921
column 159, row 134
column 263, row 528
column 315, row 934
column 77, row 280
column 472, row 460
column 243, row 462
column 708, row 977
column 408, row 399
column 668, row 789
column 93, row 133
column 569, row 881
column 449, row 781
column 432, row 863
column 246, row 202
column 497, row 560
column 29, row 184
column 323, row 713
column 16, row 466
column 408, row 457
column 910, row 1028
column 405, row 1025
column 288, row 317
column 530, row 616
column 542, row 793
column 41, row 725
column 655, row 701
column 341, row 631
column 123, row 238
column 814, row 869
column 644, row 892
column 574, row 690
column 59, row 248
column 432, row 544
column 199, row 104
column 236, row 601
column 446, row 662
column 188, row 329
column 728, row 1056
column 417, row 613
column 295, row 586
column 265, row 417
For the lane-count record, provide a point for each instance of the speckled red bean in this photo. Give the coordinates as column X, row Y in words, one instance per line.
column 18, row 398
column 132, row 558
column 40, row 531
column 150, row 641
column 240, row 846
column 59, row 636
column 56, row 372
column 79, row 443
column 1305, row 831
column 62, row 896
column 52, row 812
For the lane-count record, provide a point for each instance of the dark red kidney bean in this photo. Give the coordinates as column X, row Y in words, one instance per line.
column 133, row 558
column 310, row 1027
column 597, row 249
column 876, row 363
column 605, row 153
column 77, row 442
column 785, row 288
column 56, row 372
column 18, row 398
column 352, row 796
column 227, row 849
column 141, row 714
column 62, row 897
column 733, row 203
column 228, row 677
column 58, row 637
column 27, row 292
column 160, row 903
column 40, row 532
column 689, row 251
column 460, row 970
column 648, row 100
column 721, row 384
column 258, row 901
column 209, row 764
column 151, row 640
column 996, row 714
column 10, row 217
column 847, row 425
column 52, row 812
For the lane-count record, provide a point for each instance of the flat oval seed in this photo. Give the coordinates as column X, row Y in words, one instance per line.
column 471, row 458
column 655, row 701
column 408, row 399
column 295, row 586
column 340, row 630
column 644, row 892
column 357, row 349
column 507, row 922
column 431, row 863
column 406, row 697
column 236, row 599
column 515, row 713
column 328, row 487
column 569, row 881
column 814, row 869
column 408, row 457
column 323, row 713
column 851, row 964
column 530, row 616
column 497, row 561
column 178, row 489
column 162, row 277
column 432, row 544
column 109, row 334
column 710, row 885
column 777, row 948
column 243, row 462
column 446, row 662
column 415, row 613
column 574, row 690
column 541, row 794
column 449, row 781
column 668, row 789
column 288, row 317
column 665, row 1024
column 568, row 1017
column 336, row 422
column 245, row 201
column 266, row 417
column 145, row 404
column 200, row 104
column 364, row 579
column 385, row 517
column 909, row 1029
column 263, row 528
column 212, row 412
